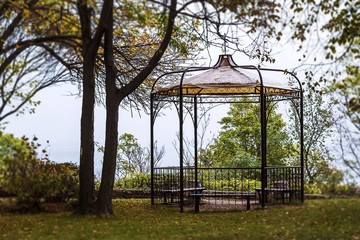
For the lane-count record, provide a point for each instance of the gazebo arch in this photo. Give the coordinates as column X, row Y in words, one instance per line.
column 224, row 82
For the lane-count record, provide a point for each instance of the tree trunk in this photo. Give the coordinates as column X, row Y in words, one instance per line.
column 86, row 197
column 90, row 46
column 86, row 194
column 104, row 203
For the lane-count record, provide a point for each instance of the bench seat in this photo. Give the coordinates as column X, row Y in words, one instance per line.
column 243, row 195
column 282, row 191
column 173, row 192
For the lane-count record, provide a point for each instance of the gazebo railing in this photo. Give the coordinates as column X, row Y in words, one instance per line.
column 283, row 184
column 228, row 186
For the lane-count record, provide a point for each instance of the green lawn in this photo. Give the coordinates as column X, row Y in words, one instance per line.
column 137, row 219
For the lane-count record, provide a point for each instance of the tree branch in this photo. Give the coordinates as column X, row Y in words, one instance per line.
column 130, row 87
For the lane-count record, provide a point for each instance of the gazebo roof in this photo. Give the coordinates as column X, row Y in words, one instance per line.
column 225, row 77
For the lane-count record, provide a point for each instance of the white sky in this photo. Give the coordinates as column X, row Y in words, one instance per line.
column 57, row 119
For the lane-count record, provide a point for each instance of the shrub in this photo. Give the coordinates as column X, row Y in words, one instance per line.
column 313, row 188
column 333, row 189
column 65, row 181
column 232, row 184
column 34, row 179
column 134, row 181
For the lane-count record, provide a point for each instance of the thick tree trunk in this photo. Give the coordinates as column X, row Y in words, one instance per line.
column 86, row 194
column 90, row 46
column 86, row 197
column 104, row 202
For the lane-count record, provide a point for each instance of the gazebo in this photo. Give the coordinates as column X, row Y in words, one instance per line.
column 226, row 82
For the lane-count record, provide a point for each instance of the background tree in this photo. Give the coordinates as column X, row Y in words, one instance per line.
column 239, row 141
column 203, row 140
column 318, row 128
column 329, row 36
column 132, row 157
column 347, row 95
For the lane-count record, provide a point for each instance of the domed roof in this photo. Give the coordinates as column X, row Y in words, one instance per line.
column 225, row 77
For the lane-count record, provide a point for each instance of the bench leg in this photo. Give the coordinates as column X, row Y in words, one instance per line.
column 290, row 196
column 265, row 197
column 248, row 203
column 259, row 194
column 197, row 204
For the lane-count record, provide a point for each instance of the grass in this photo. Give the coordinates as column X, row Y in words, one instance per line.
column 137, row 219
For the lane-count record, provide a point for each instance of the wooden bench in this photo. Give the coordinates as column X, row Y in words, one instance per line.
column 242, row 195
column 282, row 191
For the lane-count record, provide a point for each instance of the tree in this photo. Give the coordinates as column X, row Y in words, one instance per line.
column 318, row 127
column 328, row 35
column 203, row 142
column 33, row 32
column 132, row 157
column 90, row 46
column 239, row 141
column 113, row 98
column 328, row 31
column 347, row 93
column 34, row 51
column 138, row 34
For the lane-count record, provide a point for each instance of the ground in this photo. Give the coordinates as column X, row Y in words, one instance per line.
column 137, row 219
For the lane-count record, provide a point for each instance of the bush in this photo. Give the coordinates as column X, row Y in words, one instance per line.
column 333, row 189
column 232, row 184
column 134, row 181
column 65, row 181
column 313, row 188
column 34, row 179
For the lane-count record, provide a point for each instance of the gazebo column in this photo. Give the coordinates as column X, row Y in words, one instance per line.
column 152, row 122
column 181, row 143
column 197, row 200
column 302, row 143
column 263, row 141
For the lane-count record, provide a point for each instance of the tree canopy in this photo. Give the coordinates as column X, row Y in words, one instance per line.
column 36, row 44
column 239, row 141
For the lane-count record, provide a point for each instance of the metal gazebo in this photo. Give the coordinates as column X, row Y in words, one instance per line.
column 225, row 82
